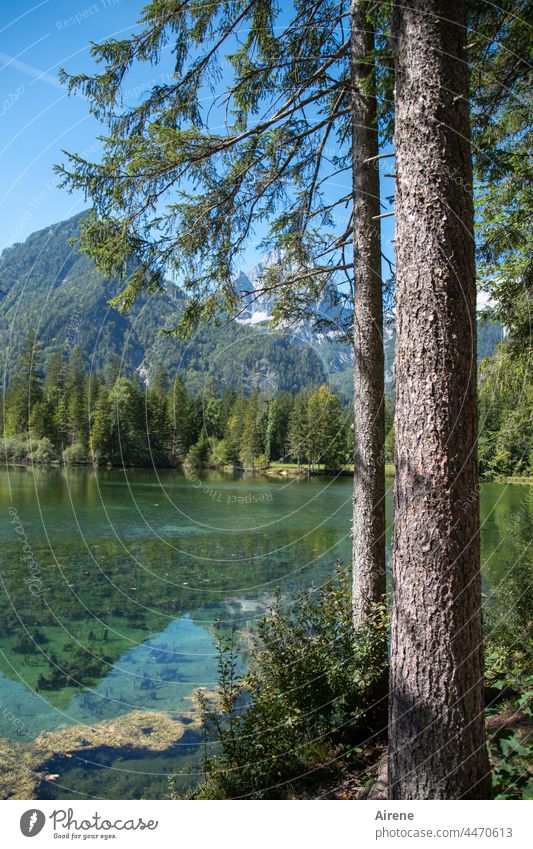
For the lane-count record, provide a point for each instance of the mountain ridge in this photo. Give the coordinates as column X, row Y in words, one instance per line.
column 51, row 288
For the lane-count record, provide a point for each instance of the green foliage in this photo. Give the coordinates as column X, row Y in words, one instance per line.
column 275, row 425
column 313, row 684
column 326, row 440
column 168, row 169
column 317, row 430
column 199, row 453
column 218, row 454
column 509, row 615
column 299, row 428
column 75, row 454
column 15, row 449
column 41, row 451
column 511, row 777
column 502, row 138
column 505, row 404
column 250, row 441
column 508, row 649
column 28, row 450
column 25, row 389
column 181, row 424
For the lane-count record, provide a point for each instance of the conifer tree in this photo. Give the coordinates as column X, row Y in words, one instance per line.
column 250, row 445
column 298, row 436
column 26, row 387
column 276, row 427
column 181, row 197
column 436, row 725
column 234, row 430
column 102, row 442
column 179, row 422
column 326, row 437
column 76, row 401
column 156, row 419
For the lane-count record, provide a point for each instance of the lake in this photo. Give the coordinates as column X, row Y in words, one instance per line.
column 112, row 583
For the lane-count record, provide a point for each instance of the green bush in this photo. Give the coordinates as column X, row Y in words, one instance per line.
column 508, row 648
column 42, row 451
column 75, row 454
column 389, row 446
column 15, row 448
column 508, row 617
column 218, row 453
column 199, row 453
column 511, row 776
column 313, row 685
column 261, row 461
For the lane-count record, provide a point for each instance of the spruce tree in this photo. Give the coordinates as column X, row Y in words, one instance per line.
column 299, row 429
column 156, row 419
column 502, row 138
column 75, row 399
column 102, row 440
column 250, row 441
column 436, row 728
column 234, row 430
column 182, row 198
column 25, row 389
column 180, row 425
column 276, row 427
column 326, row 436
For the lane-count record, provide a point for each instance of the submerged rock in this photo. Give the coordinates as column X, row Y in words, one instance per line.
column 23, row 765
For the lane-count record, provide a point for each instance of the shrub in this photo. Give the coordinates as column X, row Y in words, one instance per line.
column 508, row 617
column 313, row 684
column 218, row 453
column 15, row 448
column 389, row 446
column 198, row 454
column 74, row 454
column 42, row 451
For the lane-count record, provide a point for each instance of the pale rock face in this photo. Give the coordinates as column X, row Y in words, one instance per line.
column 337, row 354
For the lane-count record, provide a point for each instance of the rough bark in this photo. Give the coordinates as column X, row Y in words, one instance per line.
column 368, row 546
column 436, row 732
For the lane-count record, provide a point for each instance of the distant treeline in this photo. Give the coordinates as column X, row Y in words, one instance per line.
column 65, row 413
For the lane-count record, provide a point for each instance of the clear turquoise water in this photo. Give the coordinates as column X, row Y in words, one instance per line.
column 126, row 573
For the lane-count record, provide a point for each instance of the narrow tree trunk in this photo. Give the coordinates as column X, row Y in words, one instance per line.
column 436, row 732
column 368, row 547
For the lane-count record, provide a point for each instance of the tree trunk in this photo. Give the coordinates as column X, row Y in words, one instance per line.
column 368, row 546
column 436, row 732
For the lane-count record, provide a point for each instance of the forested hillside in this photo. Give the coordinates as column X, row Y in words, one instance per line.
column 52, row 289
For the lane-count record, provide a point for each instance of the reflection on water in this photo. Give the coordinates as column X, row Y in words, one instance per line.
column 112, row 582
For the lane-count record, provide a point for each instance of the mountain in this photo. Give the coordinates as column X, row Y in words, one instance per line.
column 52, row 289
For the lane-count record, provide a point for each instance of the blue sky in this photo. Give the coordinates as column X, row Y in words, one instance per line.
column 38, row 120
